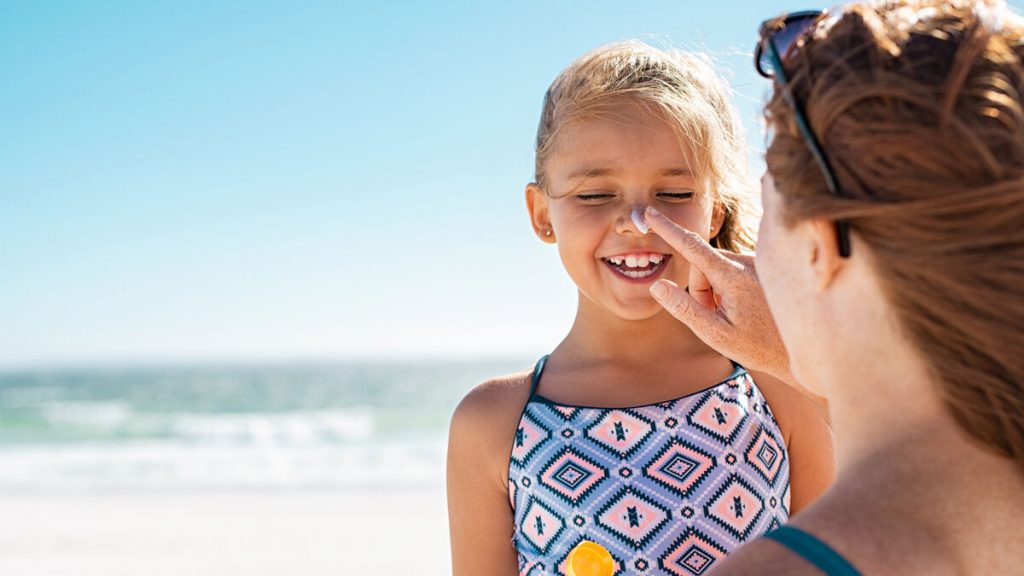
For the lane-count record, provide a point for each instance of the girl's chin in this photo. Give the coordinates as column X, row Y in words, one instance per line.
column 637, row 311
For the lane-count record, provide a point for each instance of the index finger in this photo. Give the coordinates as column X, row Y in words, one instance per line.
column 690, row 245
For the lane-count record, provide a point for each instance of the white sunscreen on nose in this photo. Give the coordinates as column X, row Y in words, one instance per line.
column 639, row 220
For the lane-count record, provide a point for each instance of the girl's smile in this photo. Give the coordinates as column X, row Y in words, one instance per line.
column 638, row 267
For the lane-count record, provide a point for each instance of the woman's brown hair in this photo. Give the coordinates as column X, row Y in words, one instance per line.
column 918, row 105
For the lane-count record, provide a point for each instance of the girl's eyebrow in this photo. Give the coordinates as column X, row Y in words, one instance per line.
column 597, row 172
column 676, row 172
column 591, row 173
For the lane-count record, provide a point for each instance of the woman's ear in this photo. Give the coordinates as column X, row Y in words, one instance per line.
column 823, row 249
column 537, row 204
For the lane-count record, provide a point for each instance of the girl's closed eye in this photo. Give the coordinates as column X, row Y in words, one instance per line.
column 675, row 195
column 594, row 196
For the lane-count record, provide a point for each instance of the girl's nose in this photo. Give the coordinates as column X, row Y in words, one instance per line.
column 633, row 221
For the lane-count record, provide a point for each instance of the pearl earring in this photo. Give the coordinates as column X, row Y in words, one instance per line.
column 547, row 232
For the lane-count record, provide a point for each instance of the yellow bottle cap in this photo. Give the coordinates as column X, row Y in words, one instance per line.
column 589, row 559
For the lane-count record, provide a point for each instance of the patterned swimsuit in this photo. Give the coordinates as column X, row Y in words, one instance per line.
column 667, row 488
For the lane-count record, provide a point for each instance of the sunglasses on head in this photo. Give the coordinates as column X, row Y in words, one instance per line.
column 778, row 40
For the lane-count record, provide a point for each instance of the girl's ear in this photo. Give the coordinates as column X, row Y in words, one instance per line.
column 537, row 204
column 717, row 220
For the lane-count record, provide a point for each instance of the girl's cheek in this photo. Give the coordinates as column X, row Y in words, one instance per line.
column 689, row 216
column 589, row 215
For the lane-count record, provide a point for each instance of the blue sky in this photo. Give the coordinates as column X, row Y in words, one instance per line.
column 270, row 180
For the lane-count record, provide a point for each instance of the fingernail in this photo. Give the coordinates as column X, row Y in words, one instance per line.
column 659, row 290
column 652, row 211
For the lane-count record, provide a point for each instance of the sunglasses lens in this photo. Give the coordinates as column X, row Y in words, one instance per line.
column 784, row 40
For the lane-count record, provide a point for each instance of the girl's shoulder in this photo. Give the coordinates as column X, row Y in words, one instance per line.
column 496, row 398
column 479, row 448
column 486, row 419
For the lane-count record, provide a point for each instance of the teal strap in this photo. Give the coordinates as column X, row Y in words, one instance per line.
column 813, row 550
column 535, row 380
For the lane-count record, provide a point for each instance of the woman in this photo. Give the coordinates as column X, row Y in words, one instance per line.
column 891, row 256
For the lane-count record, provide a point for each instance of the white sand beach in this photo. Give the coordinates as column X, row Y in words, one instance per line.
column 383, row 533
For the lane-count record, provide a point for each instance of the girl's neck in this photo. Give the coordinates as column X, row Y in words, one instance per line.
column 608, row 361
column 597, row 333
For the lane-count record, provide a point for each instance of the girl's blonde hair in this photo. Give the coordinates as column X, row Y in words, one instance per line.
column 685, row 90
column 919, row 105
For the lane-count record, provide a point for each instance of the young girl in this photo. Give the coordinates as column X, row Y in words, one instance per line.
column 633, row 433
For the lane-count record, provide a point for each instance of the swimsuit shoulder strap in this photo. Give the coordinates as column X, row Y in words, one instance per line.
column 535, row 379
column 813, row 550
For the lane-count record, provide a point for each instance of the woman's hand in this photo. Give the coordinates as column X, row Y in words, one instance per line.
column 724, row 304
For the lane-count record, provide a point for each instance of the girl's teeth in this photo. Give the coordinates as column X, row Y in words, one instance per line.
column 640, row 261
column 637, row 261
column 637, row 274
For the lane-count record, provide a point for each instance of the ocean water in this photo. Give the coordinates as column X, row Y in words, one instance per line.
column 344, row 426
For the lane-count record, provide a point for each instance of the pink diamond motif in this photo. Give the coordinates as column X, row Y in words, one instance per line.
column 697, row 560
column 540, row 525
column 529, row 437
column 736, row 506
column 621, row 432
column 722, row 418
column 633, row 517
column 765, row 456
column 572, row 475
column 680, row 467
column 693, row 554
